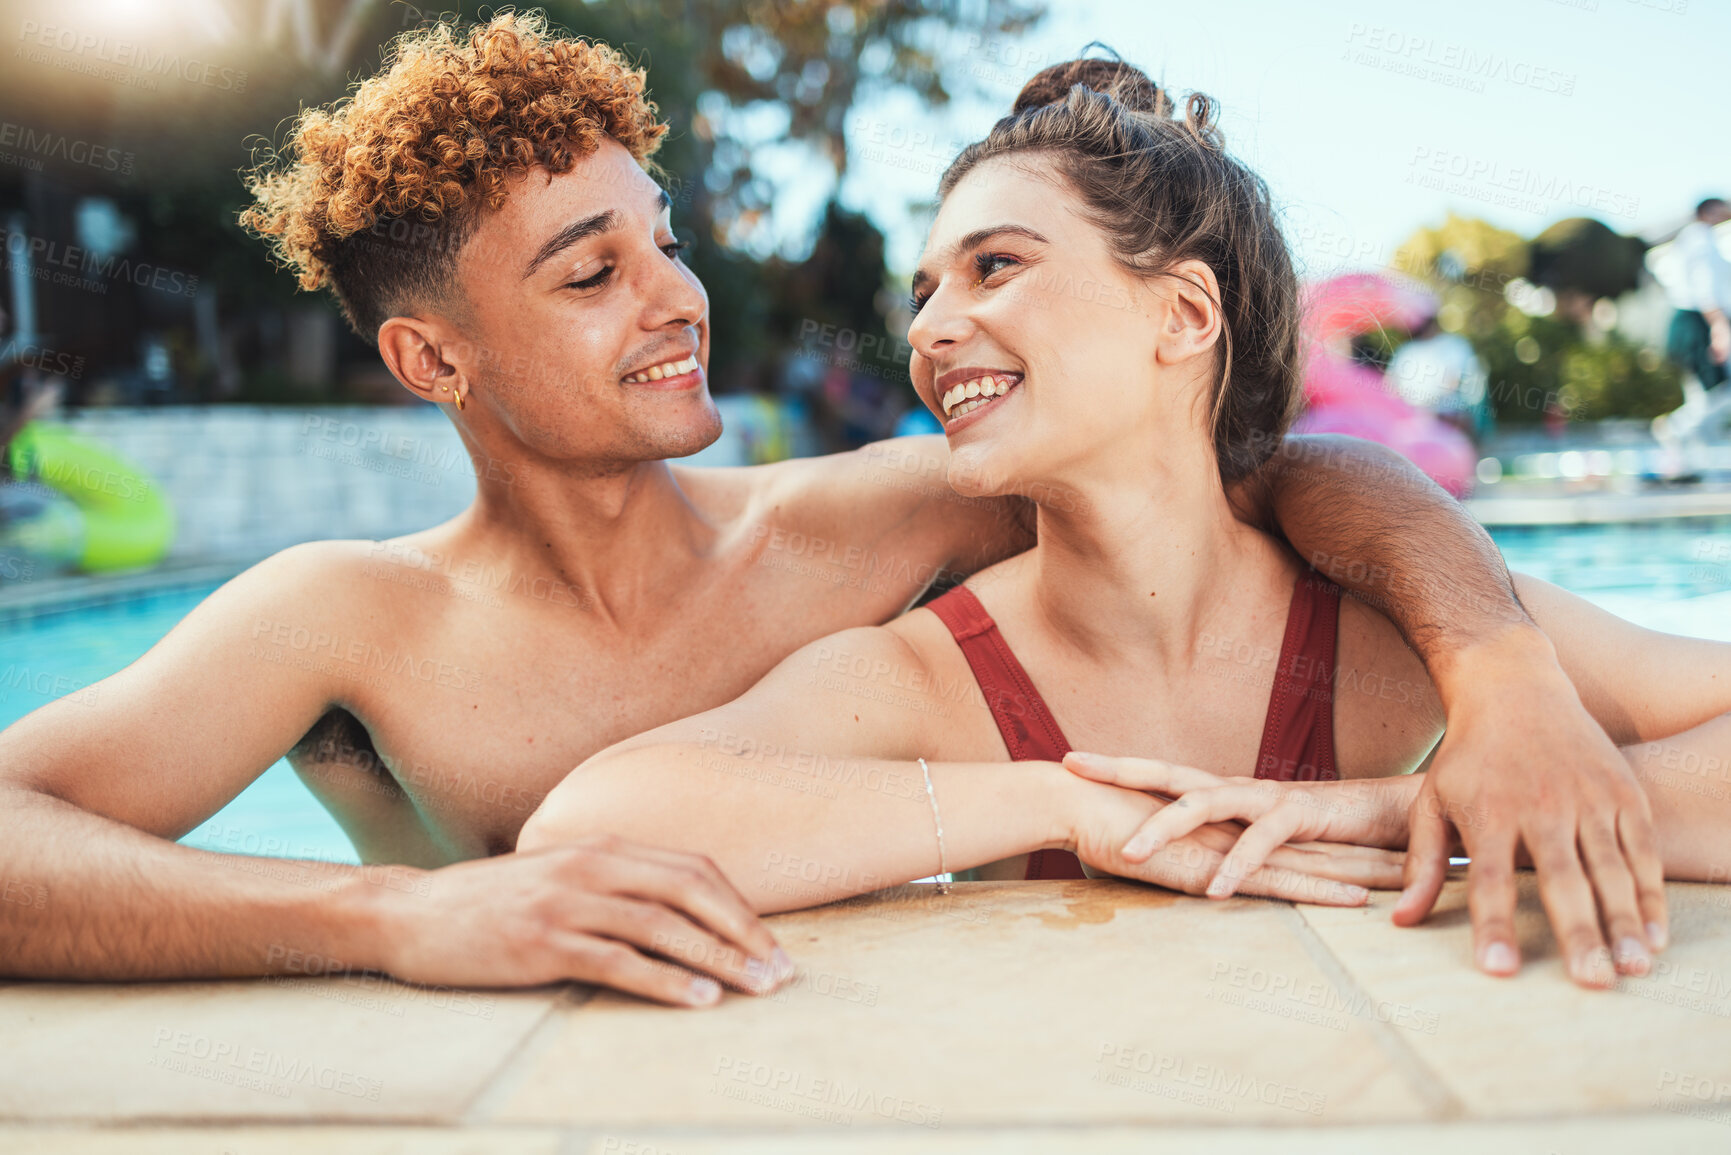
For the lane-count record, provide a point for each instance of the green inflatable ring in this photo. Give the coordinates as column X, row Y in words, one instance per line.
column 128, row 523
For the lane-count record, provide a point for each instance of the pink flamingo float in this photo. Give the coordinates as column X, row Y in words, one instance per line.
column 1344, row 396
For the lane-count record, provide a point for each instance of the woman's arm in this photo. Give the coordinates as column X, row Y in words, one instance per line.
column 1520, row 749
column 807, row 789
column 1686, row 777
column 1639, row 684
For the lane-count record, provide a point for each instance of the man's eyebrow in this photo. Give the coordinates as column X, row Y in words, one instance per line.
column 586, row 228
column 923, row 276
column 570, row 235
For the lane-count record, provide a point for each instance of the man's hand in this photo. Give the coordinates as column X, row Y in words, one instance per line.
column 656, row 923
column 1325, row 873
column 1522, row 761
column 1524, row 765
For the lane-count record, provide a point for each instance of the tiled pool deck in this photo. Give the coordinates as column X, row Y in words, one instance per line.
column 1033, row 1017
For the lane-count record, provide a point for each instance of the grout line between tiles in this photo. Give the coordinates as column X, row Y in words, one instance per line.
column 514, row 1066
column 1426, row 1083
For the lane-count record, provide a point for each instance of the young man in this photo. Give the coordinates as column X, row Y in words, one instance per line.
column 481, row 208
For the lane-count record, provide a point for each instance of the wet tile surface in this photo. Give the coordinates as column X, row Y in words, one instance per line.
column 1093, row 1017
column 1537, row 1044
column 1576, row 1137
column 1005, row 1003
column 270, row 1140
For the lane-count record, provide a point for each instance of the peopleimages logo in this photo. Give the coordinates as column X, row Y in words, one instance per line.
column 33, row 144
column 81, row 268
column 87, row 52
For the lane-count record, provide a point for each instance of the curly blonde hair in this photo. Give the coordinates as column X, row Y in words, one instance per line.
column 373, row 196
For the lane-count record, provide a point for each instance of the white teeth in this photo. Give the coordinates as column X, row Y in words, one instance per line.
column 971, row 395
column 666, row 369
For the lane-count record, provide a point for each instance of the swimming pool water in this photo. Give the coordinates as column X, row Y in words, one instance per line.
column 57, row 653
column 1673, row 576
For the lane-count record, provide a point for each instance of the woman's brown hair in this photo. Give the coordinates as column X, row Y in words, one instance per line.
column 1163, row 190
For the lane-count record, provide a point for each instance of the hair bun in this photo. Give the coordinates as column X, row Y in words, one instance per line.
column 1125, row 83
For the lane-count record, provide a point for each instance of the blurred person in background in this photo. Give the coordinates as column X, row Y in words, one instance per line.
column 1698, row 282
column 40, row 531
column 1438, row 371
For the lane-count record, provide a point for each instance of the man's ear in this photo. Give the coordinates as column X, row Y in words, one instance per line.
column 1192, row 323
column 419, row 354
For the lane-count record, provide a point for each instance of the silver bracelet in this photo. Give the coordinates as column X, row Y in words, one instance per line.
column 943, row 859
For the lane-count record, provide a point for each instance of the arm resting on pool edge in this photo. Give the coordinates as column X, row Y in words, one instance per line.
column 1686, row 777
column 95, row 788
column 1521, row 750
column 804, row 791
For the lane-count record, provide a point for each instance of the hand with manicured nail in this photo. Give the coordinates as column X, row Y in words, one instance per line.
column 1368, row 815
column 1198, row 849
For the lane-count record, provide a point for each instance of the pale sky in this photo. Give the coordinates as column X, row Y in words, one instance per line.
column 1523, row 112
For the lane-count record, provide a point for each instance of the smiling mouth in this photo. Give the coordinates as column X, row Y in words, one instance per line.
column 970, row 395
column 665, row 369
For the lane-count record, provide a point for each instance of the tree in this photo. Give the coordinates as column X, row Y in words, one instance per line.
column 716, row 68
column 1556, row 362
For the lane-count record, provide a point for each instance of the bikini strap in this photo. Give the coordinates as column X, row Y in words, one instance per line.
column 1027, row 726
column 1298, row 735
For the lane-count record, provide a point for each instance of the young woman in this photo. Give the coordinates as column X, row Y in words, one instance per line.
column 1107, row 323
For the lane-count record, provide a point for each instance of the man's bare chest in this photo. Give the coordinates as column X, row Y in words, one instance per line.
column 444, row 768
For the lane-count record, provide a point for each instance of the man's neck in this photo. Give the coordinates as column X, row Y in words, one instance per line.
column 624, row 536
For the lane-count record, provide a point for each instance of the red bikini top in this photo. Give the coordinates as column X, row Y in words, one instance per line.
column 1297, row 736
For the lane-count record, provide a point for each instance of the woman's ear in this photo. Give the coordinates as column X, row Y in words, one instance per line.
column 1191, row 323
column 421, row 355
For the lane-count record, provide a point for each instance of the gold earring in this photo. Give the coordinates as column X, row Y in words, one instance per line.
column 459, row 401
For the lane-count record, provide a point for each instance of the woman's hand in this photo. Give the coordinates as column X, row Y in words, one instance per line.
column 1327, row 873
column 1345, row 831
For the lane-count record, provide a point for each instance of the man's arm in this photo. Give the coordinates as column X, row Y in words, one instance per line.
column 95, row 787
column 804, row 791
column 1521, row 755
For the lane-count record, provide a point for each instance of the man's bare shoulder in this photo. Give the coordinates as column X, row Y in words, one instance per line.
column 889, row 489
column 329, row 579
column 884, row 478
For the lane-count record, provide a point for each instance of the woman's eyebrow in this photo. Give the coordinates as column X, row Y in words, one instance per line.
column 923, row 276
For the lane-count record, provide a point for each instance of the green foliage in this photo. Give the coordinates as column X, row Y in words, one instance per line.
column 718, row 69
column 1545, row 363
column 1587, row 380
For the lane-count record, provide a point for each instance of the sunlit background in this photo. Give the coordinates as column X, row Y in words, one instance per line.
column 1482, row 196
column 1384, row 130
